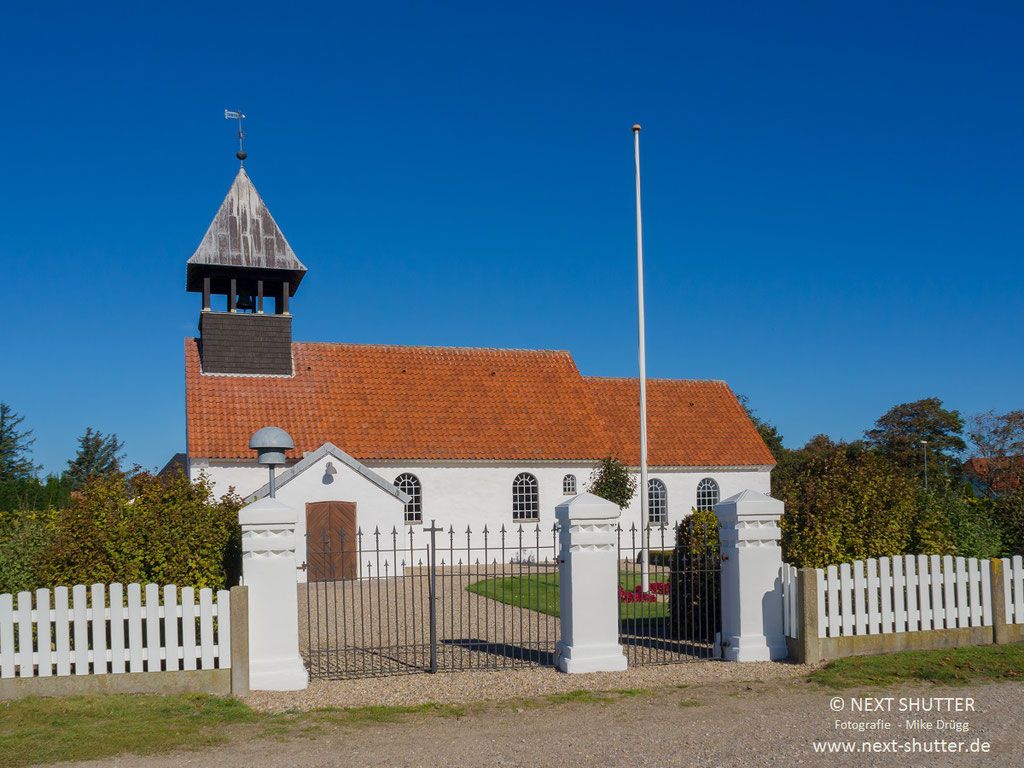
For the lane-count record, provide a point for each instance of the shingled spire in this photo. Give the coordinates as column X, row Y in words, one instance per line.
column 245, row 257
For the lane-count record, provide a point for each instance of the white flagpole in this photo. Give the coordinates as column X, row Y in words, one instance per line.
column 645, row 533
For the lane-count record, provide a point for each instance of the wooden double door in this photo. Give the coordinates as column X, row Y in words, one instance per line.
column 331, row 540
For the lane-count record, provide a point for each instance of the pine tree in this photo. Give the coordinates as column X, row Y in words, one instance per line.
column 98, row 455
column 15, row 447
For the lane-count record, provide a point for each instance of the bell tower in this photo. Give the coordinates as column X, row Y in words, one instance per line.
column 245, row 258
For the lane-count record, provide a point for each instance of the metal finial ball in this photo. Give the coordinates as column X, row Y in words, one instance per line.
column 636, row 127
column 241, row 155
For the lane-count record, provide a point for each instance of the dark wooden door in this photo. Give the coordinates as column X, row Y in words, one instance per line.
column 331, row 543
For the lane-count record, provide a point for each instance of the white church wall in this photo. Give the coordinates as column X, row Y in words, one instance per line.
column 474, row 495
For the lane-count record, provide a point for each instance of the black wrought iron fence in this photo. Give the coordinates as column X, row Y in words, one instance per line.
column 676, row 616
column 428, row 600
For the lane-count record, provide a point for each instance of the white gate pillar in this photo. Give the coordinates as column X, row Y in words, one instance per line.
column 588, row 576
column 268, row 570
column 751, row 577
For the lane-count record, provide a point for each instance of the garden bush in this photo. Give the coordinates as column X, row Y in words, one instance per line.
column 22, row 538
column 164, row 530
column 695, row 591
column 844, row 507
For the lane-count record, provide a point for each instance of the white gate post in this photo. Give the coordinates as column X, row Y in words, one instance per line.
column 751, row 577
column 588, row 576
column 268, row 570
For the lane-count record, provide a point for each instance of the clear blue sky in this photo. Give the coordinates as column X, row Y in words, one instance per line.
column 833, row 197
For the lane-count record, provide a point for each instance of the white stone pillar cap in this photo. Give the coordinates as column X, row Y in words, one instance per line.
column 267, row 511
column 587, row 506
column 748, row 504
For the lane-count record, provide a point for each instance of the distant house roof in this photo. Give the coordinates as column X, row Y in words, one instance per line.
column 1000, row 474
column 464, row 404
column 177, row 463
column 244, row 234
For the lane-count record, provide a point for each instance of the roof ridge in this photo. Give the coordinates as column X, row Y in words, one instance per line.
column 650, row 379
column 431, row 346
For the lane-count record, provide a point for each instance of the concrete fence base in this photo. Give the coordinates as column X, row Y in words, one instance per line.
column 809, row 648
column 226, row 681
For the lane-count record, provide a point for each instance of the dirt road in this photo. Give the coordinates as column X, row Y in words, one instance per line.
column 774, row 723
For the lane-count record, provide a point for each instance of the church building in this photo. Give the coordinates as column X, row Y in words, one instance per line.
column 392, row 437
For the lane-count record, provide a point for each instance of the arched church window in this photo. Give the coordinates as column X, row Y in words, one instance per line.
column 410, row 484
column 657, row 502
column 707, row 494
column 569, row 485
column 525, row 497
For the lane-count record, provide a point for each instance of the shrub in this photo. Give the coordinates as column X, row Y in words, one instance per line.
column 146, row 529
column 970, row 523
column 22, row 538
column 844, row 507
column 611, row 480
column 695, row 591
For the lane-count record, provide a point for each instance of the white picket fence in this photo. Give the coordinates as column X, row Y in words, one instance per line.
column 114, row 635
column 907, row 593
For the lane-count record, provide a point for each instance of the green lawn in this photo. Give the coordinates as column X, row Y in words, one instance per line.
column 539, row 592
column 956, row 666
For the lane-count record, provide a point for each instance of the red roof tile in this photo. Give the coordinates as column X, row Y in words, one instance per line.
column 449, row 403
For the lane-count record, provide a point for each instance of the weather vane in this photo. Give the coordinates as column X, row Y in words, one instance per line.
column 237, row 115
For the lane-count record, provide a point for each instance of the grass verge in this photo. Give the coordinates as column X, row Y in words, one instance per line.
column 956, row 666
column 540, row 593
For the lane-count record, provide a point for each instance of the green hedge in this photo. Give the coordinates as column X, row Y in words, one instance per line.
column 142, row 529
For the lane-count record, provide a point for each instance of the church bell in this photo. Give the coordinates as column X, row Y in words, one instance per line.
column 245, row 302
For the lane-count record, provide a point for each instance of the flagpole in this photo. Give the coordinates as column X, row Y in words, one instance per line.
column 645, row 533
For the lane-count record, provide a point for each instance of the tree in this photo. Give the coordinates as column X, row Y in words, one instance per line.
column 15, row 447
column 611, row 480
column 999, row 469
column 898, row 434
column 98, row 455
column 768, row 431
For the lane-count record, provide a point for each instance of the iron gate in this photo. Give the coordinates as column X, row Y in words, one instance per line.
column 428, row 600
column 679, row 617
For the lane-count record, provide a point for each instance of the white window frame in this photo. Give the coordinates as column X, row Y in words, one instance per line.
column 662, row 497
column 412, row 512
column 525, row 498
column 569, row 485
column 707, row 489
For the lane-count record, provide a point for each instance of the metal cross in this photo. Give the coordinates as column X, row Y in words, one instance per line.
column 237, row 115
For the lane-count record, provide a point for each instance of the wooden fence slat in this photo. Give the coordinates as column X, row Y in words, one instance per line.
column 846, row 598
column 822, row 627
column 963, row 613
column 153, row 628
column 206, row 626
column 938, row 611
column 63, row 630
column 117, row 655
column 171, row 627
column 924, row 592
column 975, row 591
column 986, row 592
column 1018, row 589
column 223, row 629
column 188, row 628
column 834, row 619
column 99, row 630
column 6, row 635
column 873, row 615
column 26, row 667
column 899, row 596
column 885, row 588
column 81, row 628
column 859, row 595
column 135, row 650
column 949, row 591
column 910, row 574
column 43, row 624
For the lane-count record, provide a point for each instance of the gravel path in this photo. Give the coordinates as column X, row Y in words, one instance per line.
column 490, row 685
column 772, row 723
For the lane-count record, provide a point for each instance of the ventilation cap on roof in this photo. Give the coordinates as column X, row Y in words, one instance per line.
column 270, row 443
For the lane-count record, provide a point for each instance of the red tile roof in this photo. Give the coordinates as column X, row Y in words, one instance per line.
column 449, row 403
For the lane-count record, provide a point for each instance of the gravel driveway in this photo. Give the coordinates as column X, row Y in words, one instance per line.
column 760, row 723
